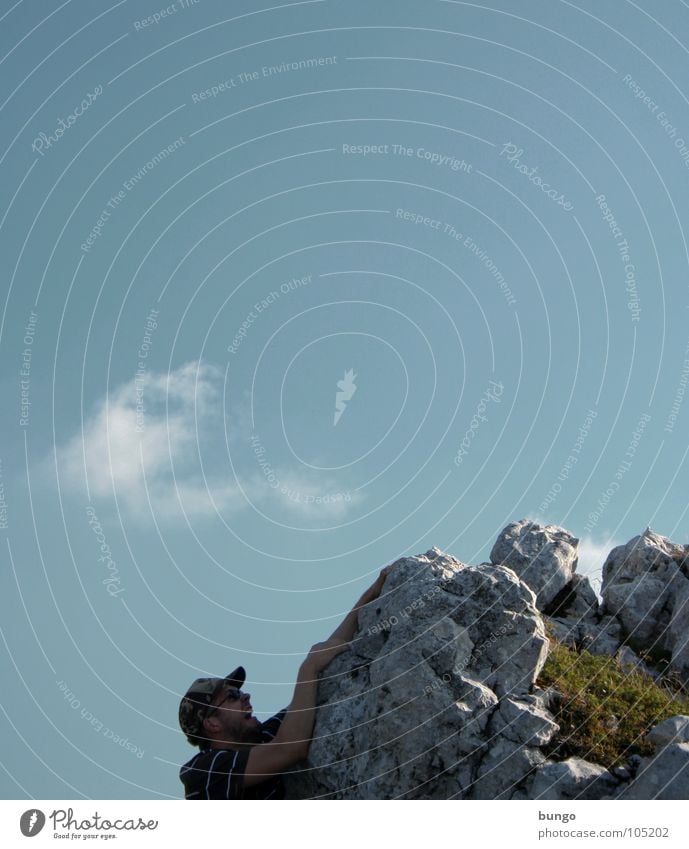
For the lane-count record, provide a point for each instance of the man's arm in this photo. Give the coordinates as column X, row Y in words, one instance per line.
column 291, row 743
column 347, row 628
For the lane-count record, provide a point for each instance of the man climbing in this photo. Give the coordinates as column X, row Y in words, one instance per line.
column 240, row 757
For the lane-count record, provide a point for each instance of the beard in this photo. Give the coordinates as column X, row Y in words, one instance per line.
column 247, row 734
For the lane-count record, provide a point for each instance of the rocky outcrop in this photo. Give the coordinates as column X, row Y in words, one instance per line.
column 436, row 696
column 545, row 557
column 433, row 700
column 646, row 587
column 665, row 775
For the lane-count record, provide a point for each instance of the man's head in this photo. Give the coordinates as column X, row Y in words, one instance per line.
column 215, row 710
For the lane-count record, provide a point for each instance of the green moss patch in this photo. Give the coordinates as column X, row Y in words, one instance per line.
column 605, row 710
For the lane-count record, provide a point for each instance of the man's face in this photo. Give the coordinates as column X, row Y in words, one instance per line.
column 231, row 719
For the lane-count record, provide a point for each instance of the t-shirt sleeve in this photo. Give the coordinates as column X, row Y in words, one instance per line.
column 271, row 726
column 225, row 776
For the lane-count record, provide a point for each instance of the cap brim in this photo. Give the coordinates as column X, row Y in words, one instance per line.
column 236, row 678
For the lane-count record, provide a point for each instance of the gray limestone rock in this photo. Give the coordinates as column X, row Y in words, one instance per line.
column 524, row 720
column 663, row 776
column 505, row 770
column 578, row 600
column 585, row 603
column 678, row 632
column 544, row 556
column 565, row 631
column 603, row 637
column 572, row 779
column 630, row 661
column 672, row 730
column 643, row 581
column 436, row 697
column 406, row 712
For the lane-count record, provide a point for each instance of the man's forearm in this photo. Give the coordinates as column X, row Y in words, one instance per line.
column 347, row 628
column 297, row 726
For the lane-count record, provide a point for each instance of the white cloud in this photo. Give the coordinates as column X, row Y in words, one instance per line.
column 154, row 456
column 592, row 556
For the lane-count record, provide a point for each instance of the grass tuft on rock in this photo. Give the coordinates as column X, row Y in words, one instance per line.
column 605, row 710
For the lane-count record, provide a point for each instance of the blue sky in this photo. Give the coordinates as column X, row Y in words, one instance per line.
column 292, row 291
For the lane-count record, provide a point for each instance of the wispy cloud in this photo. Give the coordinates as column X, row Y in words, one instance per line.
column 141, row 444
column 592, row 555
